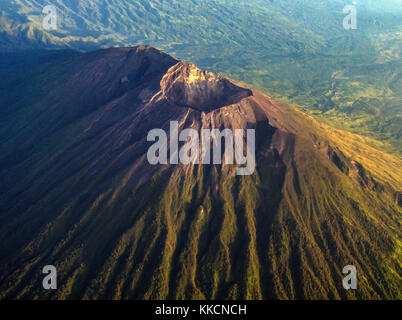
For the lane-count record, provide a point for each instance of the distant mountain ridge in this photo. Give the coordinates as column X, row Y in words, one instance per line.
column 288, row 26
column 78, row 192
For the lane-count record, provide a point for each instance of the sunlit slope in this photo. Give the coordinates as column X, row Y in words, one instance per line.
column 77, row 192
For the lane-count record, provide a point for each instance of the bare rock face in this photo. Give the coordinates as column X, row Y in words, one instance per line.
column 188, row 86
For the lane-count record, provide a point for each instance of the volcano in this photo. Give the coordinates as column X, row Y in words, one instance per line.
column 78, row 192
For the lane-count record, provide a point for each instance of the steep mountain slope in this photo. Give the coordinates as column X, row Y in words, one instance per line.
column 78, row 192
column 295, row 50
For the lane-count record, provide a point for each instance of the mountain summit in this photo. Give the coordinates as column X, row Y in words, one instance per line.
column 185, row 84
column 77, row 191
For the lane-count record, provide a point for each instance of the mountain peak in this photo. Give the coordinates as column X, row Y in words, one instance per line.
column 187, row 85
column 79, row 192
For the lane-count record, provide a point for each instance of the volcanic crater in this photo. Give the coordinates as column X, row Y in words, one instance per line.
column 188, row 86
